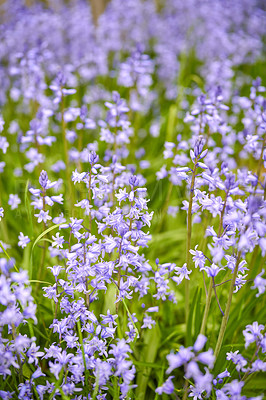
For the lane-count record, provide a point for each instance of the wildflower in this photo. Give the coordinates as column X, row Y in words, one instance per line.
column 252, row 333
column 167, row 387
column 58, row 241
column 43, row 216
column 213, row 270
column 259, row 283
column 3, row 144
column 78, row 177
column 148, row 322
column 14, row 201
column 23, row 240
column 199, row 258
column 43, row 179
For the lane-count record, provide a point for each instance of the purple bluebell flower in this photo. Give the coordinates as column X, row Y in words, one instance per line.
column 167, row 387
column 252, row 333
column 14, row 201
column 259, row 283
column 23, row 240
column 43, row 216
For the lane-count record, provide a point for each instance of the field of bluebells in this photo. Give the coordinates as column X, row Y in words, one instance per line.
column 132, row 200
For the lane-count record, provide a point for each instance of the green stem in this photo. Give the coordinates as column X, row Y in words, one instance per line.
column 80, row 146
column 90, row 197
column 119, row 273
column 209, row 296
column 83, row 352
column 56, row 304
column 260, row 163
column 87, row 296
column 217, row 299
column 247, row 373
column 189, row 233
column 207, row 309
column 39, row 277
column 5, row 252
column 227, row 310
column 57, row 384
column 165, row 208
column 222, row 214
column 3, row 222
column 185, row 391
column 68, row 173
column 20, row 374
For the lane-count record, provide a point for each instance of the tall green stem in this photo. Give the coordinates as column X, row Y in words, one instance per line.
column 185, row 394
column 68, row 172
column 3, row 221
column 165, row 207
column 14, row 334
column 227, row 310
column 189, row 233
column 207, row 308
column 209, row 296
column 90, row 220
column 80, row 145
column 39, row 276
column 83, row 354
column 260, row 163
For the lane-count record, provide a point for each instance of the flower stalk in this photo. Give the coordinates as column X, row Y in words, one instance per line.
column 227, row 310
column 189, row 234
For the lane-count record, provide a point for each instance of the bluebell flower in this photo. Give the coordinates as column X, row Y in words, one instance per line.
column 3, row 144
column 148, row 322
column 1, row 213
column 14, row 201
column 259, row 283
column 220, row 377
column 200, row 343
column 43, row 216
column 43, row 179
column 23, row 240
column 167, row 387
column 213, row 270
column 199, row 259
column 252, row 333
column 238, row 360
column 58, row 241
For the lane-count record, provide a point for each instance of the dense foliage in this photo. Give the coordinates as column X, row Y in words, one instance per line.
column 132, row 200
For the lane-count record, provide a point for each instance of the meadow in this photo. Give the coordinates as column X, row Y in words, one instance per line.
column 132, row 200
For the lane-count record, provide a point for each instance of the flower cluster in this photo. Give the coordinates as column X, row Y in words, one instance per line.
column 105, row 270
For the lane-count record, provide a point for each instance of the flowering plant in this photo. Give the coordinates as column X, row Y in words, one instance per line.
column 132, row 200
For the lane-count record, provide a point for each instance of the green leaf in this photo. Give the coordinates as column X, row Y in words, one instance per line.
column 46, row 240
column 173, row 235
column 147, row 364
column 148, row 354
column 26, row 371
column 160, row 380
column 176, row 332
column 36, row 281
column 57, row 383
column 34, row 328
column 171, row 123
column 64, row 396
column 43, row 234
column 2, row 247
